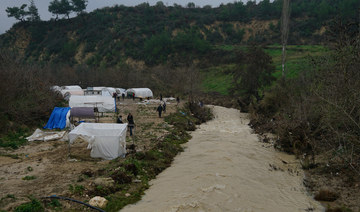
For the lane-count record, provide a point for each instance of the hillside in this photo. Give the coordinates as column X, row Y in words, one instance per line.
column 152, row 35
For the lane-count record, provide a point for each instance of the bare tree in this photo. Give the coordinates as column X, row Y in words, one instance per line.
column 285, row 17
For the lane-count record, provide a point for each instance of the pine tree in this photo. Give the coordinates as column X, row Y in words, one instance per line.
column 33, row 12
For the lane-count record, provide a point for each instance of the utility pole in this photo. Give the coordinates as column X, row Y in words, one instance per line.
column 285, row 17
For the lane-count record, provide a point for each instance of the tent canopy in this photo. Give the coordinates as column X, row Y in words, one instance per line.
column 108, row 91
column 103, row 103
column 107, row 141
column 59, row 118
column 120, row 91
column 71, row 87
column 140, row 92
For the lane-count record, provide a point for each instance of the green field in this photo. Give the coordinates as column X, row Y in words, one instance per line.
column 216, row 79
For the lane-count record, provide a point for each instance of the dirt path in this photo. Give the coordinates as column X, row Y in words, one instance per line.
column 225, row 168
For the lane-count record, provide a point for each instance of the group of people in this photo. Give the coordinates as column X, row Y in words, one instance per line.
column 130, row 120
column 161, row 108
column 116, row 96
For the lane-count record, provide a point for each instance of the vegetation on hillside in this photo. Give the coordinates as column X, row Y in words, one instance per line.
column 316, row 115
column 158, row 34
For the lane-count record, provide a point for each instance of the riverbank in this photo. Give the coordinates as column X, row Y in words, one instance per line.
column 41, row 169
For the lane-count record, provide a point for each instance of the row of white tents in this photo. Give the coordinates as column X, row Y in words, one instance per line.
column 98, row 97
column 107, row 141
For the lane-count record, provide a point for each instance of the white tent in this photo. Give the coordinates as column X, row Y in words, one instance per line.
column 108, row 91
column 103, row 103
column 140, row 92
column 120, row 91
column 70, row 90
column 107, row 141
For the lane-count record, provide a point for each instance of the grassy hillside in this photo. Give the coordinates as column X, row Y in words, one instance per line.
column 217, row 78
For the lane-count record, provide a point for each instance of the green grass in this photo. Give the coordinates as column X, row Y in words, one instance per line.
column 14, row 139
column 33, row 206
column 29, row 178
column 216, row 79
column 296, row 58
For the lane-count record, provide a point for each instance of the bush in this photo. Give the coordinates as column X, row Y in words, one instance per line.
column 26, row 91
column 33, row 206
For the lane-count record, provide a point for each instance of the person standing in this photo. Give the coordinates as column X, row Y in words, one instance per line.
column 131, row 123
column 160, row 97
column 159, row 109
column 178, row 100
column 123, row 96
column 164, row 107
column 133, row 95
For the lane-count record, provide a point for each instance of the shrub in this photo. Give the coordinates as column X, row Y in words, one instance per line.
column 33, row 206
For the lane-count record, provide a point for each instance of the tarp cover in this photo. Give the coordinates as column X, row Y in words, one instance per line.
column 140, row 92
column 103, row 103
column 58, row 119
column 107, row 141
column 87, row 112
column 40, row 135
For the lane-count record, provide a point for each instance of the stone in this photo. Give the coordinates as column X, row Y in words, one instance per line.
column 98, row 202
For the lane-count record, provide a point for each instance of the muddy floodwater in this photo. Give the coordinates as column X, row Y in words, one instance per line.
column 225, row 168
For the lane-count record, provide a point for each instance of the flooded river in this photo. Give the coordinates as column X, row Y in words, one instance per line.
column 225, row 168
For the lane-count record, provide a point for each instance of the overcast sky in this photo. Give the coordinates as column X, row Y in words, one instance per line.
column 42, row 5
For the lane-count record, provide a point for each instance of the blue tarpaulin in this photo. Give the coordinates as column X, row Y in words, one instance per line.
column 57, row 119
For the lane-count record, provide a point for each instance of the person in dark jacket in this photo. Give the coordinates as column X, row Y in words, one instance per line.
column 159, row 109
column 119, row 120
column 131, row 123
column 164, row 107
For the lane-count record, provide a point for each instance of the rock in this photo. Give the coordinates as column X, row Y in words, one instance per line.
column 98, row 202
column 104, row 181
column 127, row 195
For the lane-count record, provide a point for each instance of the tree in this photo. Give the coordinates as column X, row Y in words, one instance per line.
column 253, row 73
column 78, row 6
column 33, row 12
column 191, row 5
column 17, row 12
column 62, row 7
column 54, row 8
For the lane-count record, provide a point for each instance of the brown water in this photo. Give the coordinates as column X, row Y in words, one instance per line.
column 225, row 168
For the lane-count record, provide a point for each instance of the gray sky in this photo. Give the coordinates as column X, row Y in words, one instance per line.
column 42, row 5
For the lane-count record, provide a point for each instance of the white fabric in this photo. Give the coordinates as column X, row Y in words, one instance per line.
column 107, row 141
column 40, row 135
column 70, row 90
column 71, row 87
column 140, row 92
column 120, row 91
column 108, row 91
column 103, row 103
